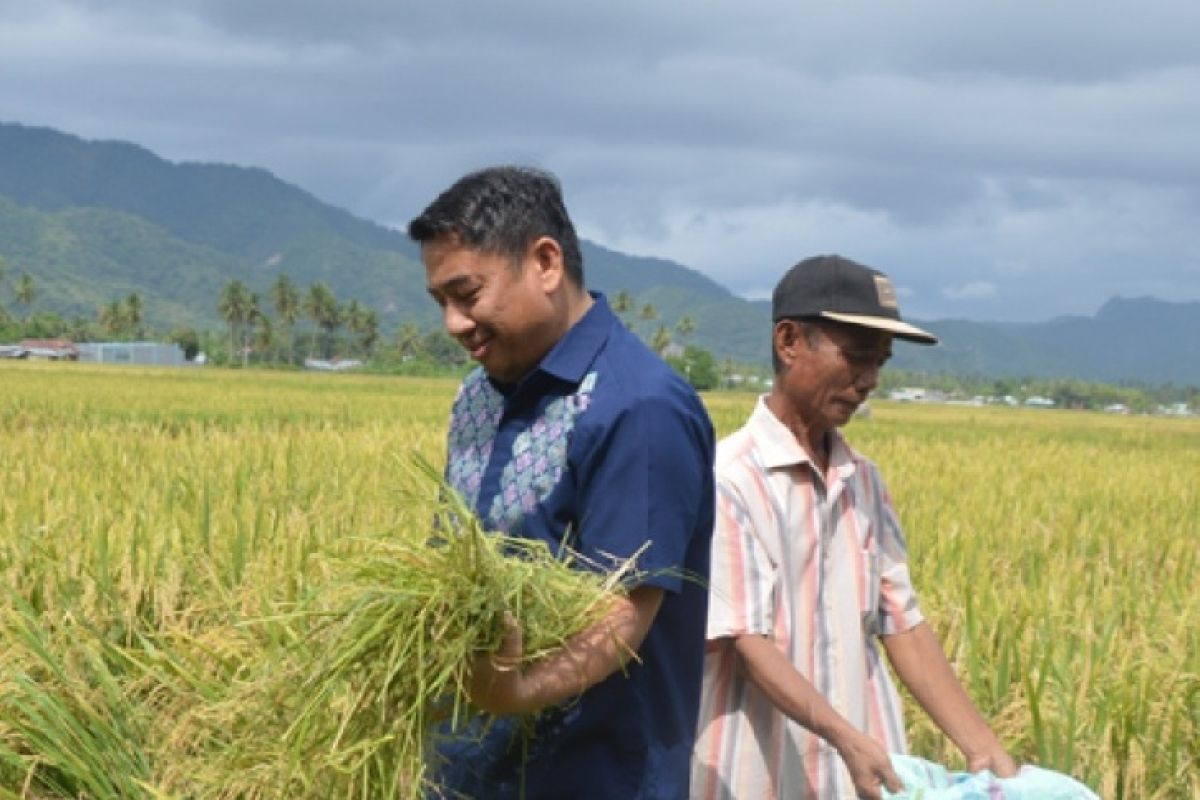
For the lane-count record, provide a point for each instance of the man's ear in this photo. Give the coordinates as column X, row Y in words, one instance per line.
column 547, row 256
column 787, row 337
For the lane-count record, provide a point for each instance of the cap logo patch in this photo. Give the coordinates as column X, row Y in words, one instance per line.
column 887, row 295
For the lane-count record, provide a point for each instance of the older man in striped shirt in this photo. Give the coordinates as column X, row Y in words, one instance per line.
column 809, row 572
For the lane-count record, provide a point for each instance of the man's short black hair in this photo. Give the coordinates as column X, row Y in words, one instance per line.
column 503, row 210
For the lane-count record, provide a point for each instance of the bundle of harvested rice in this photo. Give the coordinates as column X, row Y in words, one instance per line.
column 378, row 658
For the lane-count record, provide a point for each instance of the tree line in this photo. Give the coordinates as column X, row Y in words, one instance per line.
column 1069, row 393
column 280, row 337
column 293, row 323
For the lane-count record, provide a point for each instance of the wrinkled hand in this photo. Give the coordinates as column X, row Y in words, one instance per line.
column 870, row 767
column 498, row 683
column 997, row 760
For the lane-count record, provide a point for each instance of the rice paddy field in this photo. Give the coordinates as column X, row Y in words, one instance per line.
column 157, row 527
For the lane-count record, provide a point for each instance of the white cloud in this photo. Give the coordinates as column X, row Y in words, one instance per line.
column 970, row 291
column 748, row 248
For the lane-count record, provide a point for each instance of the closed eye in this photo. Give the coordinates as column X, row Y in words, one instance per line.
column 462, row 291
column 866, row 358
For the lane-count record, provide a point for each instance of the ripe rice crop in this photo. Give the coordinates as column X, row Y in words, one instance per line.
column 160, row 531
column 339, row 697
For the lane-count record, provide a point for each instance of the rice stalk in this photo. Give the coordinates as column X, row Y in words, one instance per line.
column 70, row 725
column 379, row 657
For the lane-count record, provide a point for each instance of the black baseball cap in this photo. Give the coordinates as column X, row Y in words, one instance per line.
column 832, row 287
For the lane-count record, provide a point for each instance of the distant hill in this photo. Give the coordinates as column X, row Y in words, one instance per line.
column 94, row 221
column 1140, row 340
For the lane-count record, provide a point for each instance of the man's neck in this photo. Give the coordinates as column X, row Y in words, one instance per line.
column 814, row 441
column 579, row 302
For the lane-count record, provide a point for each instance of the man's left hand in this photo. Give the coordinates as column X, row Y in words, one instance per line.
column 998, row 761
column 498, row 684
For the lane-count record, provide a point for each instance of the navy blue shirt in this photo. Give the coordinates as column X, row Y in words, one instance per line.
column 602, row 447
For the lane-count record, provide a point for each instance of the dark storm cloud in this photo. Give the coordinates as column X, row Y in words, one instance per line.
column 1009, row 160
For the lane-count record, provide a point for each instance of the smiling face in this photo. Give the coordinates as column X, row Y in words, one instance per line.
column 827, row 371
column 506, row 314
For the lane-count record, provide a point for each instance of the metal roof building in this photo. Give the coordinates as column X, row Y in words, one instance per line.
column 132, row 353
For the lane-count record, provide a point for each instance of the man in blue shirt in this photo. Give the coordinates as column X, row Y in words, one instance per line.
column 572, row 432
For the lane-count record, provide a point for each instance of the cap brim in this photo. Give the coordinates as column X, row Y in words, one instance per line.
column 899, row 329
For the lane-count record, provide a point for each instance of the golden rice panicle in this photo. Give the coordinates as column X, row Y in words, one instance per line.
column 383, row 654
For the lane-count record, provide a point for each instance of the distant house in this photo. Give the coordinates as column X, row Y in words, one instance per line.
column 907, row 394
column 140, row 353
column 49, row 349
column 1176, row 410
column 977, row 400
column 1039, row 402
column 332, row 365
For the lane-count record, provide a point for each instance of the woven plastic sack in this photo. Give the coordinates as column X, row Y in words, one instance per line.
column 925, row 780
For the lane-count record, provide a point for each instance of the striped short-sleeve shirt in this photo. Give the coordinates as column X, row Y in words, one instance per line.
column 818, row 564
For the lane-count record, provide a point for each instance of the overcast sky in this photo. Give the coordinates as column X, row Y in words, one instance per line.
column 1002, row 160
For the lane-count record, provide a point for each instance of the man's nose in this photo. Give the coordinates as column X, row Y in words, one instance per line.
column 867, row 378
column 455, row 321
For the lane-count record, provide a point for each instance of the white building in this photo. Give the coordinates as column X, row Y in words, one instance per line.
column 142, row 353
column 907, row 394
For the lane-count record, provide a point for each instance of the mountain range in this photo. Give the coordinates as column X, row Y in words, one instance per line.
column 92, row 221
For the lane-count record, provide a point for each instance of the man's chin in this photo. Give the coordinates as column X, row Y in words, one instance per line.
column 844, row 412
column 501, row 373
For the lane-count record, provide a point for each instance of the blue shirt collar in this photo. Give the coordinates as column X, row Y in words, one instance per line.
column 573, row 354
column 571, row 357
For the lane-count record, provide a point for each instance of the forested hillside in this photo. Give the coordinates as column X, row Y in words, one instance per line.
column 84, row 224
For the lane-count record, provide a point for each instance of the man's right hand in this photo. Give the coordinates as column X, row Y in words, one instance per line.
column 869, row 765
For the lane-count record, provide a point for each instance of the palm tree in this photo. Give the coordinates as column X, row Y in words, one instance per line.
column 660, row 340
column 363, row 322
column 254, row 316
column 25, row 291
column 133, row 314
column 685, row 327
column 235, row 306
column 112, row 318
column 354, row 315
column 408, row 341
column 622, row 304
column 286, row 299
column 264, row 335
column 322, row 308
column 368, row 332
column 648, row 313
